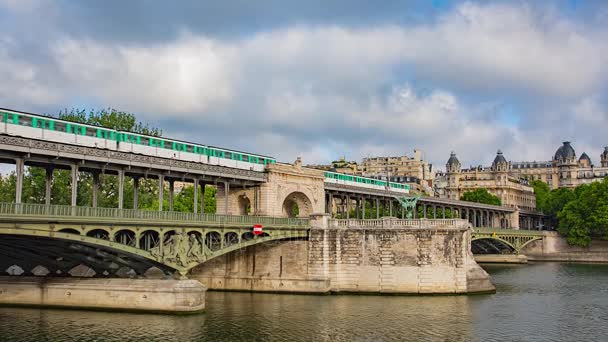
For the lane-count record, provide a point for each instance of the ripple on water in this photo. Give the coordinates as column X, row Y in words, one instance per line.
column 537, row 302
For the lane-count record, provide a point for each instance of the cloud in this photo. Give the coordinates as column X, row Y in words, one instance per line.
column 322, row 90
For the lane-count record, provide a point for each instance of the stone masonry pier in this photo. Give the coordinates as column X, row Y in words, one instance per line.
column 387, row 256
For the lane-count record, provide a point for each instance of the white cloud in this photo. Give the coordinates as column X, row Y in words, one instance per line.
column 323, row 91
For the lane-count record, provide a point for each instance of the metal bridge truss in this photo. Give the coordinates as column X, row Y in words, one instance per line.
column 502, row 241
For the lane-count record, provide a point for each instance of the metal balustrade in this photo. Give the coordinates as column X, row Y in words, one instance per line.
column 390, row 222
column 65, row 211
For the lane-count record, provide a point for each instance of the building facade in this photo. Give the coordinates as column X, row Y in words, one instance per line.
column 564, row 170
column 498, row 179
column 414, row 171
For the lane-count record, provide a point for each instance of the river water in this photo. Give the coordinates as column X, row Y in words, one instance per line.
column 535, row 302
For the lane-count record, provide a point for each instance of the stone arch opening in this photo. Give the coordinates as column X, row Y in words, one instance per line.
column 126, row 237
column 149, row 239
column 99, row 234
column 297, row 204
column 231, row 238
column 247, row 236
column 244, row 205
column 213, row 241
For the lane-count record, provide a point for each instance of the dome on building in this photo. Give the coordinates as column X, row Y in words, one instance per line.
column 500, row 158
column 605, row 153
column 565, row 152
column 453, row 160
column 584, row 160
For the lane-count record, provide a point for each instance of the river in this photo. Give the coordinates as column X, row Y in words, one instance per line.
column 535, row 302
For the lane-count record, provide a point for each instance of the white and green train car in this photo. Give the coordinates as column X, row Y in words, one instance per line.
column 365, row 182
column 46, row 128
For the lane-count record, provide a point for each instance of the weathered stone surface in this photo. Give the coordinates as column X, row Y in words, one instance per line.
column 171, row 296
column 398, row 260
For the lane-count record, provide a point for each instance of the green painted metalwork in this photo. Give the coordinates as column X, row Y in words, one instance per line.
column 516, row 239
column 159, row 237
column 409, row 204
column 112, row 214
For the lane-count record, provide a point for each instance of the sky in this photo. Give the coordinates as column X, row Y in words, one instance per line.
column 322, row 79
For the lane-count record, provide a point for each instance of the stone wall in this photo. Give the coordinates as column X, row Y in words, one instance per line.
column 362, row 260
column 553, row 247
column 168, row 296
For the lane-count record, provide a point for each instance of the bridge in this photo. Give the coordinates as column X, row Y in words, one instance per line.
column 275, row 192
column 111, row 240
column 502, row 241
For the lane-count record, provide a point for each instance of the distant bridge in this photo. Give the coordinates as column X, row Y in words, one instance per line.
column 501, row 241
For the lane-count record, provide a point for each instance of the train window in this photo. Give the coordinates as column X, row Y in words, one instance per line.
column 245, row 158
column 25, row 120
column 88, row 131
column 228, row 155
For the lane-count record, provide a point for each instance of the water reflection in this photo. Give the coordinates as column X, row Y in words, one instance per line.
column 537, row 302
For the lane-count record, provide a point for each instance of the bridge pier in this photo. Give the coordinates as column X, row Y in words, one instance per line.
column 146, row 295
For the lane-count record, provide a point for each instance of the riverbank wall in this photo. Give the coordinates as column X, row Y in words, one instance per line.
column 357, row 256
column 553, row 247
column 144, row 295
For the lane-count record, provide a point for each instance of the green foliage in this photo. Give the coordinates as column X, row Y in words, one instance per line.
column 480, row 195
column 109, row 118
column 585, row 215
column 541, row 190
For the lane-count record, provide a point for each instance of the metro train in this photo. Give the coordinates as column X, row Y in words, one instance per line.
column 47, row 128
column 364, row 182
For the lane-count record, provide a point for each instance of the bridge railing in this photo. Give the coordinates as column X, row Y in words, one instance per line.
column 64, row 211
column 398, row 223
column 499, row 231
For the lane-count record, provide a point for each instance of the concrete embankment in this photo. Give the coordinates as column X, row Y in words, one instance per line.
column 501, row 258
column 147, row 295
column 556, row 248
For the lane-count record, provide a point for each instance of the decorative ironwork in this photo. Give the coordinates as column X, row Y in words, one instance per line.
column 409, row 205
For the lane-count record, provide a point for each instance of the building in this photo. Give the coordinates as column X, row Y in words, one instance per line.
column 564, row 170
column 414, row 171
column 498, row 179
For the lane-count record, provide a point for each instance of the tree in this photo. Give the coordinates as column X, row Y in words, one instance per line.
column 480, row 195
column 585, row 215
column 541, row 191
column 109, row 118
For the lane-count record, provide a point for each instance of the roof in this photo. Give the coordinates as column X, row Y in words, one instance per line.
column 500, row 158
column 453, row 160
column 565, row 152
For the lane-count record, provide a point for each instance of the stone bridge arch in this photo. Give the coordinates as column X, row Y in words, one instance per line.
column 297, row 204
column 292, row 182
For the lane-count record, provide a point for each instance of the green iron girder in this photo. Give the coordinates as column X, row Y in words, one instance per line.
column 163, row 240
column 515, row 239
